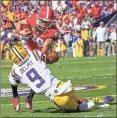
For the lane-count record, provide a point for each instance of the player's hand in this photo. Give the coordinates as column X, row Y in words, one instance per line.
column 25, row 32
column 44, row 57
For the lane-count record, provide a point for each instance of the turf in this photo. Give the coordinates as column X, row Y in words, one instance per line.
column 81, row 71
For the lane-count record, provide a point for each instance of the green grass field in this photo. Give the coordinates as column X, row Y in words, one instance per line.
column 81, row 71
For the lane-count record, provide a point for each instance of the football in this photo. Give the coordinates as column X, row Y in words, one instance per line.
column 52, row 57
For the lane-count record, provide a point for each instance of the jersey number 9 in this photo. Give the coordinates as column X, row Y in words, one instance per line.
column 33, row 76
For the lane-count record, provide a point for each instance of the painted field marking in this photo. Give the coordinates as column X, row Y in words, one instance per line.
column 45, row 101
column 99, row 115
column 24, row 91
column 24, row 103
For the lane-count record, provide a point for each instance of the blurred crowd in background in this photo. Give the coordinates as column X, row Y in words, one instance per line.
column 74, row 19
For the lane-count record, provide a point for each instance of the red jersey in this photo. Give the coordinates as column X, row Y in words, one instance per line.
column 39, row 39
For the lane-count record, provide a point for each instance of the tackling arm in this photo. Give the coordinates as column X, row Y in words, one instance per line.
column 47, row 45
column 52, row 55
column 23, row 28
column 18, row 24
column 14, row 83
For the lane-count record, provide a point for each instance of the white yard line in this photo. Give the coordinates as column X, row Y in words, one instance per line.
column 24, row 103
column 89, row 76
column 35, row 102
column 106, row 74
column 100, row 115
column 71, row 61
column 6, row 80
column 93, row 69
column 84, row 70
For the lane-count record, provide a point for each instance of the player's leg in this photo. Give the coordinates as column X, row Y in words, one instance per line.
column 88, row 104
column 73, row 95
column 103, row 102
column 65, row 101
column 84, row 104
column 16, row 102
column 28, row 102
column 68, row 101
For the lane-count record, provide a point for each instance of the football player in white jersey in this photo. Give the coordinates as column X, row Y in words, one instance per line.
column 30, row 70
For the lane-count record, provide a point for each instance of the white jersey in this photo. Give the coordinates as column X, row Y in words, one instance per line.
column 35, row 73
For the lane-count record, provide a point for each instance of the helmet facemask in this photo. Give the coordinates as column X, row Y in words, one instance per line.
column 44, row 25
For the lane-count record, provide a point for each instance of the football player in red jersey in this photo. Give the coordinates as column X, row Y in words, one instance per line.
column 40, row 32
column 44, row 31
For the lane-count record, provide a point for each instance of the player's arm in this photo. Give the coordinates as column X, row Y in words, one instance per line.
column 13, row 77
column 52, row 55
column 14, row 83
column 23, row 28
column 52, row 36
column 47, row 45
column 13, row 86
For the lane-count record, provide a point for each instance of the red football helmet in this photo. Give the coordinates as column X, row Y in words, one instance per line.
column 45, row 18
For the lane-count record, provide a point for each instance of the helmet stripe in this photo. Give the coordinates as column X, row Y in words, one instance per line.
column 47, row 12
column 17, row 54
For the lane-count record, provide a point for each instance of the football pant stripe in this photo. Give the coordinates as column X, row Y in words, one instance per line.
column 47, row 13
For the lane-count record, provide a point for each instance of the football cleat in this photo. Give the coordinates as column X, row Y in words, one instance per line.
column 28, row 103
column 16, row 103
